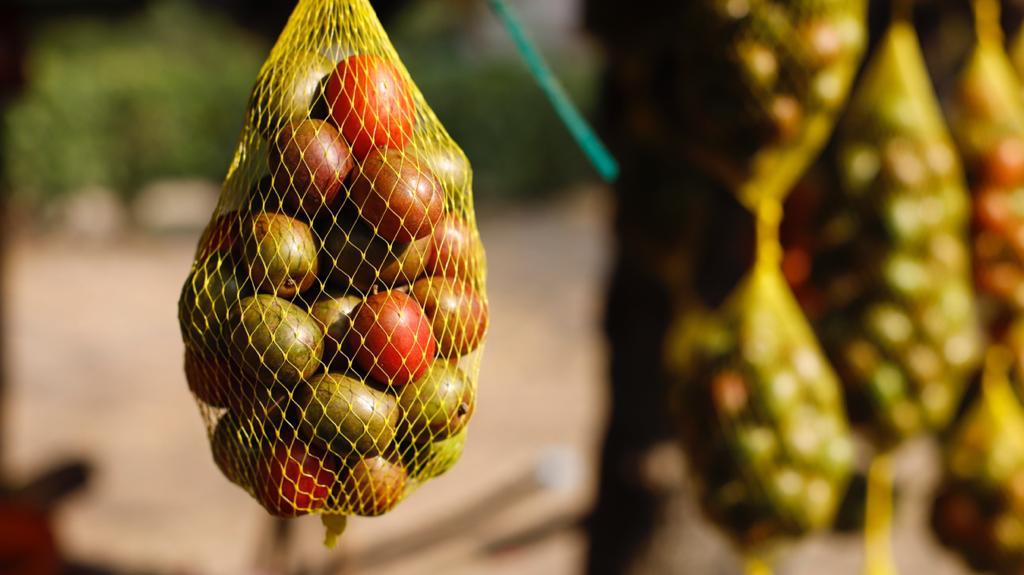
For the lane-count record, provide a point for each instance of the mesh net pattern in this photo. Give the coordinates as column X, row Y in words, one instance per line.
column 336, row 310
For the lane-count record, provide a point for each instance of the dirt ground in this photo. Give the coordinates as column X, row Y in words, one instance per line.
column 96, row 372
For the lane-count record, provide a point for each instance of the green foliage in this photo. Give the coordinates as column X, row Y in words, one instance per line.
column 493, row 108
column 117, row 103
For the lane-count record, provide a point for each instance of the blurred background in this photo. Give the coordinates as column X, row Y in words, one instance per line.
column 119, row 119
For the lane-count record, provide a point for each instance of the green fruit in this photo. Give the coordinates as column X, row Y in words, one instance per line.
column 277, row 340
column 208, row 295
column 371, row 486
column 281, row 254
column 288, row 91
column 437, row 405
column 435, row 458
column 358, row 259
column 334, row 314
column 235, row 448
column 347, row 415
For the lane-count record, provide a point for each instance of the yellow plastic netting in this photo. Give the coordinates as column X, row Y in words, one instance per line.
column 900, row 324
column 979, row 510
column 335, row 314
column 760, row 410
column 763, row 84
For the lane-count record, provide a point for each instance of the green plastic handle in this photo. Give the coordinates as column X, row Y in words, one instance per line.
column 570, row 115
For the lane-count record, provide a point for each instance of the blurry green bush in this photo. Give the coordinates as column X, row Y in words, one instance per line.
column 490, row 104
column 117, row 103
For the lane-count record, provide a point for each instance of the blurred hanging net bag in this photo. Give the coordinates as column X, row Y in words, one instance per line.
column 900, row 323
column 979, row 509
column 336, row 309
column 763, row 84
column 989, row 128
column 760, row 410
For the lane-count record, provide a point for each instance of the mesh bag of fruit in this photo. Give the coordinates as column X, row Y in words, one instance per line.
column 900, row 323
column 760, row 410
column 763, row 82
column 979, row 509
column 988, row 123
column 334, row 316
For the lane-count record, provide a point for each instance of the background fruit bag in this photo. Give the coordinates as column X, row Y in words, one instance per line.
column 900, row 322
column 760, row 409
column 335, row 313
column 988, row 123
column 762, row 85
column 979, row 509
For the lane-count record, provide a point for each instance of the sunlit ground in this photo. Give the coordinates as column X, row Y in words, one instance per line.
column 96, row 372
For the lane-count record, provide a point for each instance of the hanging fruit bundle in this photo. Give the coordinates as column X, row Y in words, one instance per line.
column 979, row 509
column 761, row 413
column 989, row 128
column 760, row 409
column 900, row 322
column 334, row 316
column 763, row 83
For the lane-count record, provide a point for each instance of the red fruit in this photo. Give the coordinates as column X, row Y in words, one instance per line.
column 371, row 102
column 212, row 379
column 391, row 338
column 1003, row 166
column 453, row 249
column 310, row 163
column 458, row 316
column 290, row 481
column 221, row 236
column 399, row 197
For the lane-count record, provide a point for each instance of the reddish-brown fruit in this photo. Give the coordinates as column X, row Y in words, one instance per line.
column 729, row 393
column 391, row 338
column 1003, row 166
column 372, row 486
column 310, row 163
column 212, row 379
column 398, row 196
column 290, row 481
column 371, row 102
column 454, row 251
column 458, row 315
column 221, row 236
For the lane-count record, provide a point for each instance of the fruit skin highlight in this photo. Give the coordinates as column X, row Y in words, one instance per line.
column 281, row 254
column 372, row 486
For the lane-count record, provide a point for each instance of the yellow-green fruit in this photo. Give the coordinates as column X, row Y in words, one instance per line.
column 289, row 91
column 281, row 254
column 437, row 405
column 277, row 340
column 347, row 415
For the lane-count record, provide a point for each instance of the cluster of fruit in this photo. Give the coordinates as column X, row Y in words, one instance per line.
column 761, row 415
column 899, row 323
column 979, row 508
column 989, row 126
column 776, row 69
column 335, row 314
